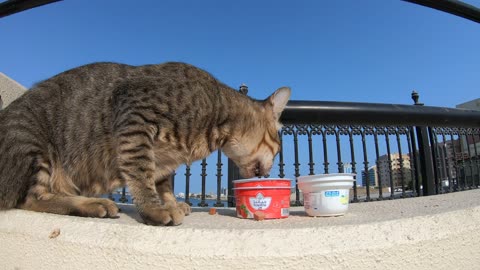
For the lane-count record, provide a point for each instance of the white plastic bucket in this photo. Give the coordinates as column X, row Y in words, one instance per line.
column 326, row 194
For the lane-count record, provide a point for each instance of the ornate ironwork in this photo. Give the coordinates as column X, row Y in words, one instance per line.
column 353, row 164
column 344, row 131
column 365, row 164
column 187, row 185
column 202, row 203
column 297, row 166
column 281, row 164
column 388, row 131
column 377, row 163
column 219, row 203
column 400, row 161
column 325, row 150
column 123, row 198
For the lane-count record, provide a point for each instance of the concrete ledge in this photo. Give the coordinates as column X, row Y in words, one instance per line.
column 437, row 232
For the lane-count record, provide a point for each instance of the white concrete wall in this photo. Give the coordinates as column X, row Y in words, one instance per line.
column 10, row 89
column 437, row 232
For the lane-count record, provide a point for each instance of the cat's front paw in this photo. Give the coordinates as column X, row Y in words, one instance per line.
column 185, row 208
column 168, row 214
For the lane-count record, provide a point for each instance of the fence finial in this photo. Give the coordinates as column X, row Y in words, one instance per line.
column 415, row 97
column 244, row 89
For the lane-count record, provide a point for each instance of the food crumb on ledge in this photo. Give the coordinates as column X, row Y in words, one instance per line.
column 54, row 234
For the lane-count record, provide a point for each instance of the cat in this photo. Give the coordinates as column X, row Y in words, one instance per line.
column 94, row 128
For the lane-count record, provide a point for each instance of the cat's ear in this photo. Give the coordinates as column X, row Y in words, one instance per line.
column 278, row 100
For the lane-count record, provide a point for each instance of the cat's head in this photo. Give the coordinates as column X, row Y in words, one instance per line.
column 254, row 147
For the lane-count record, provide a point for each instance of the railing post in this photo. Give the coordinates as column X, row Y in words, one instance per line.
column 233, row 171
column 233, row 174
column 219, row 203
column 414, row 162
column 425, row 154
column 202, row 202
column 433, row 149
column 172, row 180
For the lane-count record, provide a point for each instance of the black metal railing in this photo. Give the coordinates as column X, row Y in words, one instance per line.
column 420, row 132
column 396, row 151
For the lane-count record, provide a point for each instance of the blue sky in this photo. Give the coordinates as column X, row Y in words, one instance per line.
column 366, row 51
column 361, row 51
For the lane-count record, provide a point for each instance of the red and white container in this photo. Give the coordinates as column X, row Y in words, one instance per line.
column 268, row 195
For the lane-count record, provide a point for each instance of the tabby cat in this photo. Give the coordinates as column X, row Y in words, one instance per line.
column 92, row 129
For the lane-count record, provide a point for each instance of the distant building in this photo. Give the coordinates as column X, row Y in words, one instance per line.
column 372, row 176
column 224, row 191
column 470, row 145
column 447, row 152
column 471, row 105
column 347, row 167
column 398, row 169
column 9, row 90
column 456, row 159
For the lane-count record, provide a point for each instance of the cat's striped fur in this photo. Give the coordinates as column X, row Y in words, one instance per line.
column 94, row 128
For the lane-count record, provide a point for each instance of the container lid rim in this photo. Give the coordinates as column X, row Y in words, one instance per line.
column 246, row 188
column 325, row 177
column 256, row 179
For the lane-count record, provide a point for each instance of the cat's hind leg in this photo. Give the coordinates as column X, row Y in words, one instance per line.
column 53, row 192
column 70, row 205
